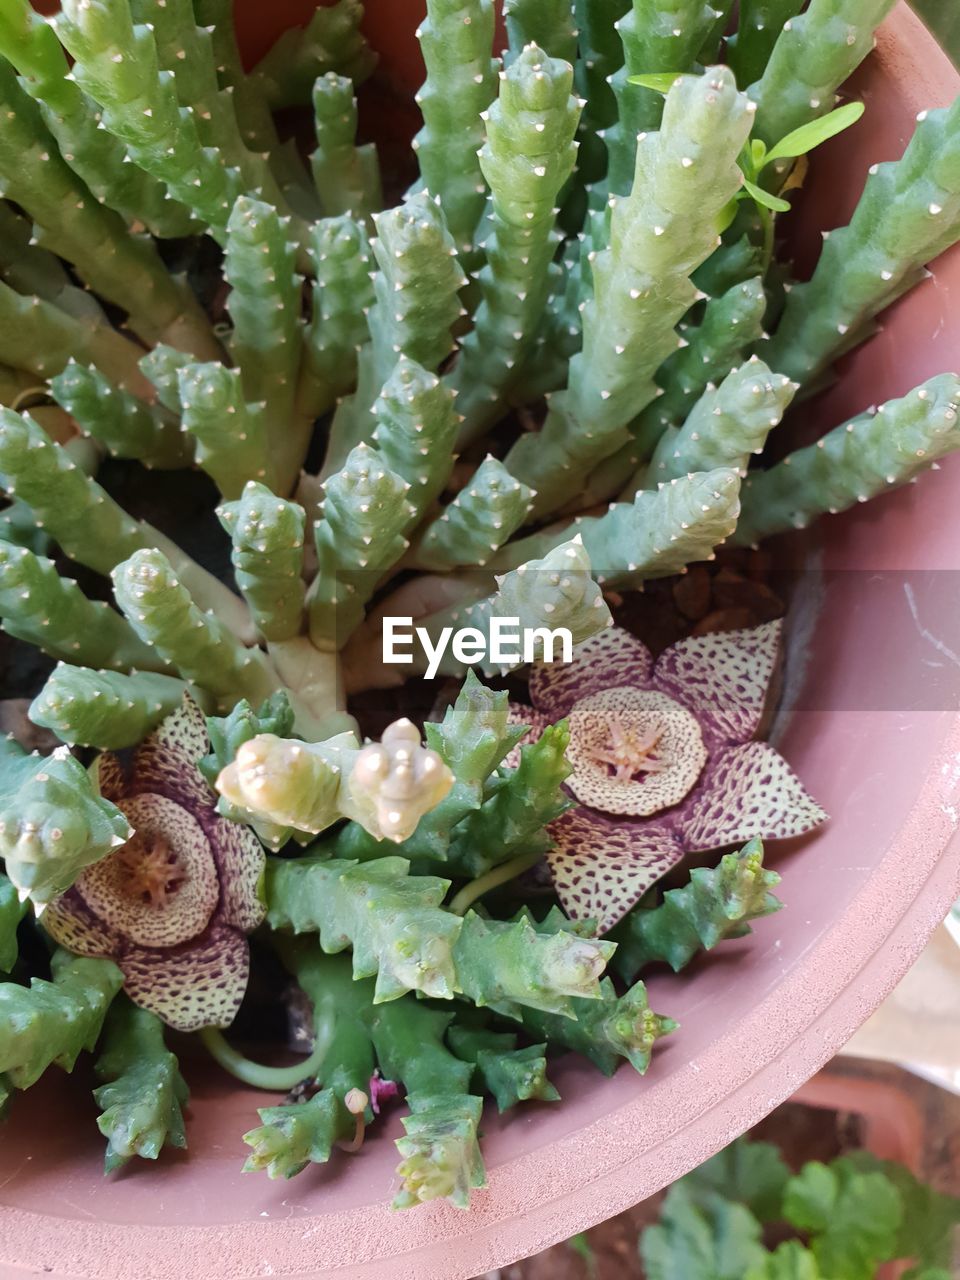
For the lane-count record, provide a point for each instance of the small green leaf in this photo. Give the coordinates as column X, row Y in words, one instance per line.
column 758, row 154
column 765, row 198
column 726, row 215
column 799, row 141
column 662, row 81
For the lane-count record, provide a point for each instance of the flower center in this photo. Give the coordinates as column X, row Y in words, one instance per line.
column 633, row 751
column 629, row 751
column 150, row 870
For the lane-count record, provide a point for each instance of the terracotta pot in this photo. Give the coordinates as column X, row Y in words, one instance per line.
column 871, row 725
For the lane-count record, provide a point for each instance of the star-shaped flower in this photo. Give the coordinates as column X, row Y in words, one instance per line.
column 665, row 761
column 173, row 905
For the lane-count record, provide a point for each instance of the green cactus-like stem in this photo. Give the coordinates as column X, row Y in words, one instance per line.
column 104, row 709
column 196, row 644
column 29, row 269
column 341, row 296
column 41, row 608
column 416, row 304
column 69, row 221
column 481, row 518
column 657, row 36
column 116, row 64
column 142, row 1100
column 410, row 943
column 605, row 1030
column 12, row 911
column 265, row 304
column 415, row 432
column 726, row 425
column 294, row 1135
column 528, row 155
column 53, row 823
column 731, row 324
column 548, row 24
column 522, row 803
column 854, row 462
column 53, row 1022
column 161, row 367
column 441, row 1151
column 185, row 50
column 230, row 435
column 715, row 904
column 456, row 39
column 812, row 56
column 658, row 235
column 759, row 25
column 347, row 176
column 39, row 337
column 128, row 426
column 556, row 591
column 29, row 42
column 908, row 214
column 331, row 41
column 361, row 533
column 89, row 526
column 512, row 1075
column 267, row 534
column 601, row 55
column 658, row 534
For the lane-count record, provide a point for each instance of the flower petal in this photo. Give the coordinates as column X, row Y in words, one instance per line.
column 198, row 984
column 612, row 657
column 747, row 791
column 240, row 861
column 603, row 866
column 106, row 887
column 111, row 777
column 723, row 678
column 75, row 926
column 621, row 718
column 165, row 763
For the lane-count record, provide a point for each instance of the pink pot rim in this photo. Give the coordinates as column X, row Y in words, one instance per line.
column 585, row 1176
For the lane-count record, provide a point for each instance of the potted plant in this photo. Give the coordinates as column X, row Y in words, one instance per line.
column 615, row 766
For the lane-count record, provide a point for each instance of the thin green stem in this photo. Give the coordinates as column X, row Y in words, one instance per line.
column 767, row 221
column 276, row 1079
column 492, row 880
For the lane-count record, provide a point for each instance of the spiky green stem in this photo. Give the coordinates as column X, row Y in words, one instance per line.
column 52, row 821
column 196, row 644
column 41, row 608
column 12, row 911
column 658, row 235
column 127, row 426
column 480, row 520
column 512, row 1075
column 230, row 435
column 908, row 214
column 715, row 904
column 812, row 56
column 331, row 41
column 267, row 535
column 854, row 462
column 365, row 511
column 53, row 1022
column 546, row 23
column 104, row 709
column 415, row 432
column 456, row 39
column 657, row 36
column 141, row 1102
column 69, row 221
column 527, row 157
column 759, row 24
column 341, row 296
column 29, row 42
column 347, row 176
column 116, row 64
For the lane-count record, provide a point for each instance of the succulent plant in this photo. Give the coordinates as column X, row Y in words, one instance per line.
column 531, row 382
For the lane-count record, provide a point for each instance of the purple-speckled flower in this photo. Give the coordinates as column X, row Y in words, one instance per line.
column 172, row 907
column 664, row 761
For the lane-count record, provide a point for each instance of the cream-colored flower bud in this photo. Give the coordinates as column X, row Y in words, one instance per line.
column 291, row 783
column 394, row 782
